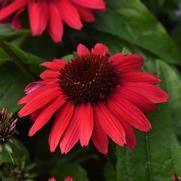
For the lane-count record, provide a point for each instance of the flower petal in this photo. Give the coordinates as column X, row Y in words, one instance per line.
column 13, row 7
column 71, row 136
column 85, row 116
column 54, row 65
column 49, row 74
column 100, row 49
column 139, row 77
column 46, row 115
column 55, row 23
column 99, row 137
column 70, row 14
column 140, row 101
column 128, row 112
column 153, row 93
column 127, row 63
column 110, row 125
column 86, row 14
column 92, row 4
column 38, row 17
column 82, row 50
column 62, row 119
column 39, row 101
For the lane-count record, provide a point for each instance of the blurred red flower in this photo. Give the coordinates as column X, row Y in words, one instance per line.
column 51, row 14
column 66, row 179
column 95, row 96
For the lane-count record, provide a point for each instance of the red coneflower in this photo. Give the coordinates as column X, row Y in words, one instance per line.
column 50, row 14
column 66, row 179
column 94, row 96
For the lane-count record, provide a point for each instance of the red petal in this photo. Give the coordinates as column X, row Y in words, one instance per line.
column 110, row 125
column 82, row 50
column 92, row 4
column 38, row 17
column 54, row 65
column 140, row 101
column 71, row 135
column 139, row 77
column 100, row 49
column 49, row 74
column 46, row 115
column 130, row 135
column 99, row 137
column 86, row 14
column 62, row 120
column 39, row 101
column 129, row 113
column 10, row 9
column 85, row 116
column 151, row 92
column 68, row 179
column 55, row 23
column 70, row 14
column 127, row 63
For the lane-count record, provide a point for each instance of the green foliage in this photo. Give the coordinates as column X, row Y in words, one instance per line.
column 131, row 21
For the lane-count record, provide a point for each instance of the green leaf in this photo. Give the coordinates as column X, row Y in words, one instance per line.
column 172, row 84
column 131, row 21
column 70, row 169
column 13, row 152
column 12, row 83
column 6, row 32
column 25, row 60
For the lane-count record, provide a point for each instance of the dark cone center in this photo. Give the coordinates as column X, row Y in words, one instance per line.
column 90, row 78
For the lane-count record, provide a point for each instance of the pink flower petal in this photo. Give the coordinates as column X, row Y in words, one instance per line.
column 46, row 114
column 129, row 113
column 13, row 7
column 55, row 23
column 86, row 14
column 54, row 65
column 62, row 119
column 82, row 50
column 153, row 93
column 85, row 116
column 99, row 137
column 92, row 4
column 70, row 14
column 38, row 17
column 110, row 125
column 100, row 49
column 39, row 101
column 127, row 63
column 72, row 134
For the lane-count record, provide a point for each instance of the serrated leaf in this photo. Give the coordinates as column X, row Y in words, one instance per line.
column 131, row 21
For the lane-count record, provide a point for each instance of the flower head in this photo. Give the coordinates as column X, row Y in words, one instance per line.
column 95, row 96
column 51, row 14
column 7, row 125
column 17, row 172
column 66, row 179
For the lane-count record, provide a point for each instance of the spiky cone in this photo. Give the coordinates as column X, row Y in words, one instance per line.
column 7, row 125
column 17, row 172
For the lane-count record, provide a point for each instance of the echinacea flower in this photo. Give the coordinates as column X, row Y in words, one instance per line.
column 66, row 179
column 95, row 96
column 51, row 14
column 7, row 125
